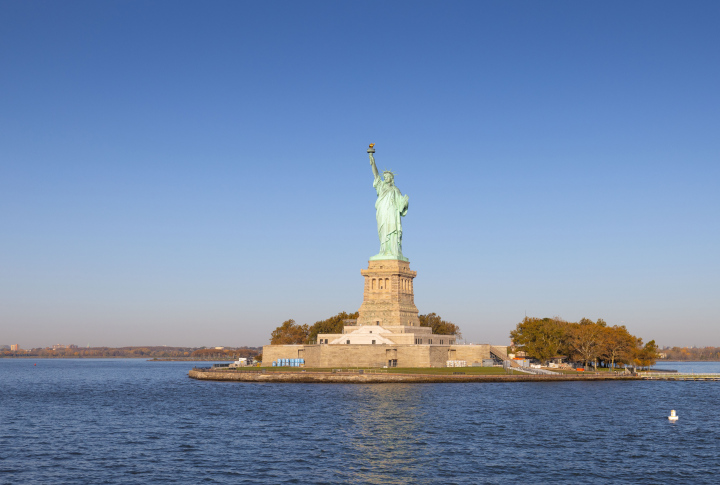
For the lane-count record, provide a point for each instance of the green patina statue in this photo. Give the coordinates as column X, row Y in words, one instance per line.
column 390, row 206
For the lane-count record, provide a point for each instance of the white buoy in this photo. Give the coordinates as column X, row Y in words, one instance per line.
column 673, row 416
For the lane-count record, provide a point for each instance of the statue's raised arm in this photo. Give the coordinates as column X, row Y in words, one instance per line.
column 371, row 150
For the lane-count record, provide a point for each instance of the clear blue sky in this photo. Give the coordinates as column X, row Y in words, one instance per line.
column 195, row 173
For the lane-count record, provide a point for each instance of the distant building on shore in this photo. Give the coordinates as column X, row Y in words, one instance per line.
column 14, row 347
column 62, row 347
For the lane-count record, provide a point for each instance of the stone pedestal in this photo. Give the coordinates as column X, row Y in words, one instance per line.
column 389, row 298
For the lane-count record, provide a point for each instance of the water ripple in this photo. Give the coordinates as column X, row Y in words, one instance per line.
column 131, row 421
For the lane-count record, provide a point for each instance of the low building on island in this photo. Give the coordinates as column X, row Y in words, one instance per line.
column 382, row 346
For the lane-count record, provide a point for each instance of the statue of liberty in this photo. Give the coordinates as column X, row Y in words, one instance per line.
column 390, row 206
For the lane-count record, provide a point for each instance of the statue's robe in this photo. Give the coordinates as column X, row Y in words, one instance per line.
column 389, row 207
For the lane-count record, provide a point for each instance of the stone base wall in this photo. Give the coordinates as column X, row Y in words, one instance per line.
column 347, row 378
column 470, row 353
column 336, row 356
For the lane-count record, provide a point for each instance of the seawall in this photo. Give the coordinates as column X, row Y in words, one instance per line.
column 355, row 378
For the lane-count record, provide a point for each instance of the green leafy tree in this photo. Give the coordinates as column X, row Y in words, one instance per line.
column 647, row 355
column 289, row 333
column 331, row 325
column 540, row 338
column 439, row 326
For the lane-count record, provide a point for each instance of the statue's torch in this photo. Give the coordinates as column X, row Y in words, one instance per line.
column 372, row 148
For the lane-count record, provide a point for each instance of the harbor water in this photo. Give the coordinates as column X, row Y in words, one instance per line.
column 132, row 421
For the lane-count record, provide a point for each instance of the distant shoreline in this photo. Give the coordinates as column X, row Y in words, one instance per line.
column 144, row 357
column 36, row 357
column 186, row 359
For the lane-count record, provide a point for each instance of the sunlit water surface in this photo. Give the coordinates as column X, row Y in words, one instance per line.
column 132, row 421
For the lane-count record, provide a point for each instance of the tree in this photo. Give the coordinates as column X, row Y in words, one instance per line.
column 540, row 338
column 685, row 353
column 331, row 325
column 439, row 326
column 585, row 338
column 647, row 355
column 584, row 341
column 617, row 345
column 289, row 333
column 223, row 354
